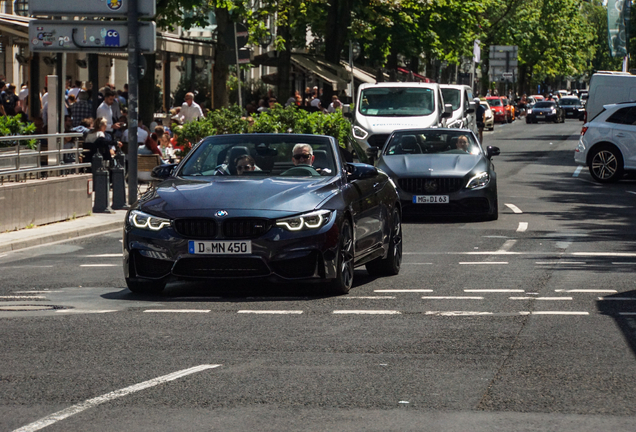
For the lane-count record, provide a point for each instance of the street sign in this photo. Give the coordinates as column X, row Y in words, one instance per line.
column 102, row 8
column 241, row 37
column 502, row 63
column 88, row 36
column 507, row 74
column 244, row 56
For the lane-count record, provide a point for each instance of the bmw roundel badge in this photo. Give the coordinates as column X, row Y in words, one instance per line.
column 220, row 213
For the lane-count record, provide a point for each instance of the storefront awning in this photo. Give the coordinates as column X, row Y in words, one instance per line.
column 359, row 74
column 15, row 25
column 304, row 62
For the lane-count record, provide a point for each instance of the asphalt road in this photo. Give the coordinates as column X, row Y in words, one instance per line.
column 525, row 323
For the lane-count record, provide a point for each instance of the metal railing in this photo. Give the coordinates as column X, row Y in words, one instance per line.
column 20, row 162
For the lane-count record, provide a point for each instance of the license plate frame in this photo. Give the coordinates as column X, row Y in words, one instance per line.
column 540, row 116
column 431, row 199
column 219, row 247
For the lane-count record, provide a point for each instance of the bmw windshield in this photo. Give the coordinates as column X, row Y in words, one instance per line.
column 397, row 102
column 261, row 156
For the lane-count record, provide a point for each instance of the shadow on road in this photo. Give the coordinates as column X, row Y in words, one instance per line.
column 623, row 312
column 560, row 137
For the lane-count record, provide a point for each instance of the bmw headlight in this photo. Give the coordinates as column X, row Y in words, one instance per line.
column 359, row 133
column 305, row 221
column 142, row 220
column 481, row 180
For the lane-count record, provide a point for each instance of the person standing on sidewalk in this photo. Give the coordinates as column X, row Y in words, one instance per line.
column 480, row 112
column 105, row 111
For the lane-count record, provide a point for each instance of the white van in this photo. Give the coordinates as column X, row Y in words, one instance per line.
column 461, row 98
column 609, row 88
column 384, row 107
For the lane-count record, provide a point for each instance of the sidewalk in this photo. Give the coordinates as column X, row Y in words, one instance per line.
column 93, row 224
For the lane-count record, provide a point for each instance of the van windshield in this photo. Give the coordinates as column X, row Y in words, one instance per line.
column 397, row 102
column 452, row 96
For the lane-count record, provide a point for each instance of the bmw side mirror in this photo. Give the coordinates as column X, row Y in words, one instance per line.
column 162, row 172
column 359, row 171
column 492, row 151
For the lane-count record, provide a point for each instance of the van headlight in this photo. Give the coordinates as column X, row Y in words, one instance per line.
column 481, row 180
column 313, row 220
column 359, row 133
column 142, row 220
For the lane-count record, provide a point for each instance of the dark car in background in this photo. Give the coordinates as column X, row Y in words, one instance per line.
column 271, row 218
column 547, row 111
column 572, row 107
column 442, row 172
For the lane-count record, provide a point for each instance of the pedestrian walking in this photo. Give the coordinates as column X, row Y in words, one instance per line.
column 190, row 110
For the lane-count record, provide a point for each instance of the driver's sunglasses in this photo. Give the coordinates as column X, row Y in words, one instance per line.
column 302, row 156
column 243, row 167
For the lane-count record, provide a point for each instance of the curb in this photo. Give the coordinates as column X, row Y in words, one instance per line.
column 60, row 236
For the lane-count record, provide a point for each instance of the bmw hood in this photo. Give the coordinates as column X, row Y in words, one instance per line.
column 433, row 165
column 269, row 197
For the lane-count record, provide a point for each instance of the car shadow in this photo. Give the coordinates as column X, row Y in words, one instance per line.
column 441, row 219
column 560, row 137
column 238, row 291
column 623, row 312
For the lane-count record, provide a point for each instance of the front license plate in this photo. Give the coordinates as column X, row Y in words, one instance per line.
column 243, row 247
column 430, row 199
column 540, row 116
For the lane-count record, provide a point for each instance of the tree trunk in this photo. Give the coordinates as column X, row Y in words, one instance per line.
column 283, row 84
column 147, row 91
column 220, row 73
column 337, row 29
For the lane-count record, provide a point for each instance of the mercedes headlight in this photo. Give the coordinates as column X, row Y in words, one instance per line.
column 359, row 133
column 311, row 220
column 142, row 220
column 481, row 180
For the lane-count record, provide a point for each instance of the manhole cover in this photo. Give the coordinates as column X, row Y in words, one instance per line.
column 22, row 308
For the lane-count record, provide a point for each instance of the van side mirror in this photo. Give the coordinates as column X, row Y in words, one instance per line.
column 346, row 108
column 448, row 108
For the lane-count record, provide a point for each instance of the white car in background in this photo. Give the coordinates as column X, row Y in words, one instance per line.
column 608, row 143
column 489, row 118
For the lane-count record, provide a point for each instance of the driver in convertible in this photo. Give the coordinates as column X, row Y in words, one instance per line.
column 303, row 154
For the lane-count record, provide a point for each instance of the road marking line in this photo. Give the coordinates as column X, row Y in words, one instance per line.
column 605, row 254
column 1, row 256
column 457, row 313
column 402, row 290
column 514, row 208
column 559, row 262
column 484, row 262
column 31, row 297
column 493, row 290
column 178, row 310
column 631, row 192
column 540, row 298
column 117, row 255
column 523, row 226
column 370, row 297
column 624, row 263
column 577, row 171
column 617, row 298
column 367, row 312
column 271, row 312
column 627, row 313
column 99, row 265
column 82, row 311
column 29, row 266
column 508, row 244
column 451, row 298
column 558, row 313
column 586, row 290
column 417, row 263
column 36, row 292
column 90, row 403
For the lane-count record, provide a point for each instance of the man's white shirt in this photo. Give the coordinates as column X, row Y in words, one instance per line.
column 141, row 136
column 190, row 113
column 105, row 111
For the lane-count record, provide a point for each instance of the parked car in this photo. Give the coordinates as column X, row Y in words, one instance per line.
column 548, row 111
column 498, row 109
column 538, row 98
column 572, row 107
column 384, row 107
column 489, row 118
column 607, row 144
column 442, row 171
column 272, row 219
column 461, row 98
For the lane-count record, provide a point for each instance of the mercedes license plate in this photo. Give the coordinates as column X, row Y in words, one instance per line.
column 430, row 199
column 540, row 116
column 242, row 247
